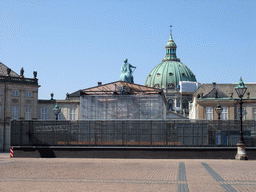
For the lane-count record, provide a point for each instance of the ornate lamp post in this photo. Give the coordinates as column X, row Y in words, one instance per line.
column 56, row 111
column 219, row 110
column 240, row 90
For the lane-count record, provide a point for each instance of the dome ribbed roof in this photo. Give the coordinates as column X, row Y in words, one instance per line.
column 169, row 74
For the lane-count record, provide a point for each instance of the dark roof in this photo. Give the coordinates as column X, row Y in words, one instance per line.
column 224, row 90
column 46, row 101
column 215, row 92
column 75, row 94
column 3, row 71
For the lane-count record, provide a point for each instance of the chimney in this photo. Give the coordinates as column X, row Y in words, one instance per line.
column 99, row 83
column 214, row 84
column 248, row 94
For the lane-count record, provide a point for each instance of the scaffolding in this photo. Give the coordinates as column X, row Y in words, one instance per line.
column 150, row 106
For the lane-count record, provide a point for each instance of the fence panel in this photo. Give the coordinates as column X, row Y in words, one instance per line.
column 182, row 133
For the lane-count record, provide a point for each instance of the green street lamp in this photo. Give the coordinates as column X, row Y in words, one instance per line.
column 56, row 111
column 219, row 110
column 241, row 152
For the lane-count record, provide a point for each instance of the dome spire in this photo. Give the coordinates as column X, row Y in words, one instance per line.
column 171, row 30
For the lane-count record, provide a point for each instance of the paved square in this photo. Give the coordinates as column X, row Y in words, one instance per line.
column 65, row 174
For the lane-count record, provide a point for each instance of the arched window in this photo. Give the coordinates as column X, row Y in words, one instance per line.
column 170, row 104
column 184, row 104
column 178, row 102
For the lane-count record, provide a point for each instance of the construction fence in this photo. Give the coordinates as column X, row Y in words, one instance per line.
column 180, row 133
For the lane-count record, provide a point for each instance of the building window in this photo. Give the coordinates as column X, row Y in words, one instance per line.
column 15, row 112
column 224, row 114
column 28, row 113
column 72, row 114
column 254, row 113
column 209, row 114
column 44, row 113
column 60, row 116
column 28, row 94
column 15, row 93
column 243, row 113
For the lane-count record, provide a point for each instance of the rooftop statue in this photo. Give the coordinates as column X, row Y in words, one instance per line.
column 126, row 72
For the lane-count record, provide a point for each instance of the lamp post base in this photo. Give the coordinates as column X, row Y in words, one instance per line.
column 241, row 152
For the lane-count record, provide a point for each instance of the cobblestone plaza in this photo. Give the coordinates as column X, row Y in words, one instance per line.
column 62, row 174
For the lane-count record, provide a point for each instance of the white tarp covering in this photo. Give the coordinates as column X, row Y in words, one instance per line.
column 189, row 86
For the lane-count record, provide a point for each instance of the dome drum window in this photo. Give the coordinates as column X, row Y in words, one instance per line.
column 158, row 74
column 171, row 74
column 171, row 85
column 156, row 86
column 183, row 74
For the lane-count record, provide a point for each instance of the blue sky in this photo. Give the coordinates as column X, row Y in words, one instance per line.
column 74, row 44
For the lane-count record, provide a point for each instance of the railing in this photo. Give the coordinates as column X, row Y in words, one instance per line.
column 18, row 80
column 168, row 133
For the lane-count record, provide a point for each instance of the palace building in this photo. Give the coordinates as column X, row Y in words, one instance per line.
column 207, row 97
column 18, row 100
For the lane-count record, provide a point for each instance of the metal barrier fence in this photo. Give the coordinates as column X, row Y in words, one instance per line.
column 170, row 133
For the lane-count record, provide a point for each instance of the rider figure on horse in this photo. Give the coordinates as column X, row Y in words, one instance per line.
column 126, row 72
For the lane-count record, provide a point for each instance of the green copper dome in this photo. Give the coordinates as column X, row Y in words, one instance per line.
column 171, row 71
